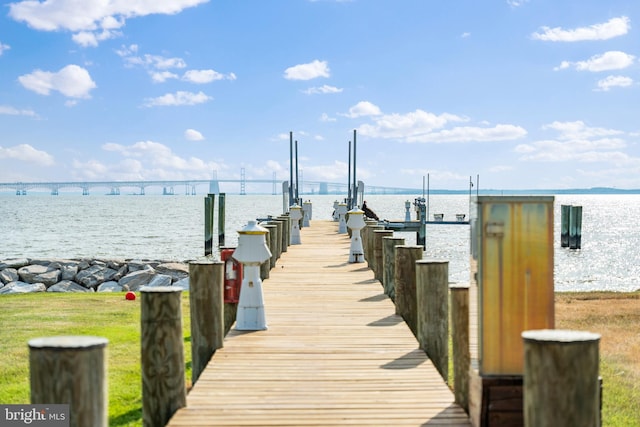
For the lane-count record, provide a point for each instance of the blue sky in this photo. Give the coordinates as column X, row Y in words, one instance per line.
column 528, row 94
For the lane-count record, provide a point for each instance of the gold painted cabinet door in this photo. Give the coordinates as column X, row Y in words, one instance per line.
column 515, row 277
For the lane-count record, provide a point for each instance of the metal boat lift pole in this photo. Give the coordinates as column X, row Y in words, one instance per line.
column 297, row 194
column 349, row 199
column 291, row 169
column 355, row 182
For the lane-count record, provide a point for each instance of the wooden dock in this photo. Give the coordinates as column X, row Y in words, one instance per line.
column 334, row 354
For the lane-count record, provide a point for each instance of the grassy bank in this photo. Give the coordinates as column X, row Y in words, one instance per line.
column 616, row 316
column 24, row 317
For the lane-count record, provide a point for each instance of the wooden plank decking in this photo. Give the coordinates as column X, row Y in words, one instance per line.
column 334, row 354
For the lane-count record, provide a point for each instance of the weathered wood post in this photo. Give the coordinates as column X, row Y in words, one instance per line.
column 565, row 214
column 405, row 281
column 71, row 370
column 459, row 303
column 265, row 267
column 432, row 300
column 206, row 302
column 162, row 355
column 575, row 227
column 377, row 252
column 221, row 218
column 365, row 233
column 561, row 385
column 272, row 242
column 209, row 203
column 389, row 264
column 279, row 230
column 369, row 248
column 285, row 232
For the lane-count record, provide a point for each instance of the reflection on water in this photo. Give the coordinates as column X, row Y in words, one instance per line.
column 172, row 227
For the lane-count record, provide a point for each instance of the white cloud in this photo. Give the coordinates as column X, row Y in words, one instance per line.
column 465, row 35
column 425, row 127
column 614, row 81
column 4, row 47
column 72, row 81
column 499, row 132
column 308, row 71
column 11, row 111
column 178, row 99
column 363, row 108
column 576, row 142
column 89, row 39
column 411, row 127
column 155, row 61
column 322, row 90
column 612, row 28
column 98, row 17
column 158, row 67
column 26, row 153
column 206, row 76
column 193, row 135
column 516, row 3
column 153, row 160
column 325, row 118
column 611, row 60
column 162, row 76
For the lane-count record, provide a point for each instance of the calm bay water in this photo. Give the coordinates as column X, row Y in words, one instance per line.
column 172, row 227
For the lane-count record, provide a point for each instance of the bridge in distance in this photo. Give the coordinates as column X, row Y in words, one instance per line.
column 191, row 187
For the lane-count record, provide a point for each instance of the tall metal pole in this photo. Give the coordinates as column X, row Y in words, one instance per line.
column 349, row 200
column 355, row 181
column 290, row 168
column 297, row 194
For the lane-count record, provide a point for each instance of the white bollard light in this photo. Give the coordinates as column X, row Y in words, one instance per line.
column 407, row 213
column 342, row 221
column 306, row 212
column 252, row 251
column 356, row 223
column 335, row 216
column 295, row 213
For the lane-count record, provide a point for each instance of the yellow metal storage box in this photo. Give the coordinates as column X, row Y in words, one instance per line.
column 512, row 265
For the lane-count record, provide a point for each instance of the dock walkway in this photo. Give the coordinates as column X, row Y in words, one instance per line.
column 334, row 354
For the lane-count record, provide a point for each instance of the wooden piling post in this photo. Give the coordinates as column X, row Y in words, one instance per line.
column 279, row 228
column 561, row 385
column 565, row 214
column 432, row 320
column 221, row 218
column 272, row 242
column 405, row 282
column 265, row 267
column 389, row 265
column 206, row 302
column 285, row 232
column 71, row 370
column 459, row 305
column 209, row 203
column 377, row 251
column 364, row 234
column 370, row 242
column 162, row 354
column 575, row 227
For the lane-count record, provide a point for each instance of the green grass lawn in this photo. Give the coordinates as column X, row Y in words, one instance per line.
column 28, row 316
column 24, row 317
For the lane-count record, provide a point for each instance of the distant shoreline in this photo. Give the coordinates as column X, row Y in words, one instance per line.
column 594, row 191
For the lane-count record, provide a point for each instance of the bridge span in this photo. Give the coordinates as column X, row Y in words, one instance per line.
column 191, row 187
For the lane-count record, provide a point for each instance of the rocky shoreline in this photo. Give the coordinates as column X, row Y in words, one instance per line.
column 25, row 275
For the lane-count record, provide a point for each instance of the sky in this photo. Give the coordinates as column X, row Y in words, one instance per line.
column 524, row 94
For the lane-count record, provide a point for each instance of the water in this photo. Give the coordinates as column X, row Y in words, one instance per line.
column 172, row 228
